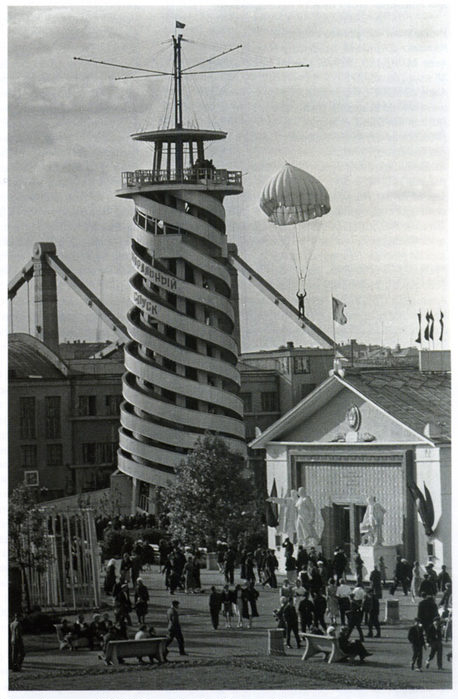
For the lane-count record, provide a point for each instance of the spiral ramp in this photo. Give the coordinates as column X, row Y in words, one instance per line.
column 181, row 377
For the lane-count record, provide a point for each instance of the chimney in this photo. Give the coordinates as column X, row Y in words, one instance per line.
column 46, row 323
column 290, row 344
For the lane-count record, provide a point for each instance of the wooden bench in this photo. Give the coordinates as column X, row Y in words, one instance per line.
column 152, row 647
column 81, row 642
column 329, row 645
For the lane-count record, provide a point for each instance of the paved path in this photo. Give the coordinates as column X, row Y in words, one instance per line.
column 389, row 665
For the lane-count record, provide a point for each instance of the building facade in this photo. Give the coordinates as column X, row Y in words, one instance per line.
column 368, row 433
column 63, row 418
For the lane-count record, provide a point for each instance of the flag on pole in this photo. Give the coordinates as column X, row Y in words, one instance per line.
column 431, row 326
column 427, row 326
column 338, row 314
column 441, row 323
column 419, row 329
column 272, row 509
column 179, row 25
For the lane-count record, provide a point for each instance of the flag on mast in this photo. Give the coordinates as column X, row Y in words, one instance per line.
column 419, row 329
column 441, row 323
column 338, row 314
column 431, row 326
column 427, row 326
column 179, row 25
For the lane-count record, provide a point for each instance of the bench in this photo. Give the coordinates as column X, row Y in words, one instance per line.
column 329, row 645
column 152, row 647
column 81, row 642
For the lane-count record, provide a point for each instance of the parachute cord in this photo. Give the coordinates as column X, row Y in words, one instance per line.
column 298, row 250
column 310, row 257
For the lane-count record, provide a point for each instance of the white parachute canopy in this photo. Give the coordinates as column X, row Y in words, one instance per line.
column 294, row 196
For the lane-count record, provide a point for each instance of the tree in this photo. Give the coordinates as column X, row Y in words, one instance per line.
column 28, row 543
column 212, row 497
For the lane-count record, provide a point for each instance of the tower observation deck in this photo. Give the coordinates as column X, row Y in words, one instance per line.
column 181, row 375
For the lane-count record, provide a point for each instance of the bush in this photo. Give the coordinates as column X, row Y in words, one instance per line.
column 40, row 622
column 115, row 542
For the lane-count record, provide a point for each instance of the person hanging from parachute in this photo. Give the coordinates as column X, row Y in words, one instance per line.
column 301, row 302
column 293, row 196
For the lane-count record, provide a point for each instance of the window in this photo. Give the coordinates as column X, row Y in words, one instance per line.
column 29, row 456
column 27, row 417
column 191, row 373
column 89, row 453
column 169, row 364
column 188, row 273
column 301, row 365
column 192, row 403
column 191, row 342
column 31, row 478
column 106, row 452
column 170, row 332
column 190, row 309
column 99, row 452
column 52, row 417
column 307, row 388
column 246, row 398
column 53, row 454
column 87, row 405
column 169, row 396
column 269, row 402
column 112, row 404
column 172, row 298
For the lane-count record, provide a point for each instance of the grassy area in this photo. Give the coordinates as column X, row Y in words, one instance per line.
column 233, row 673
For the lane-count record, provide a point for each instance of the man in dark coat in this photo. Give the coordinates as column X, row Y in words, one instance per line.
column 271, row 565
column 214, row 602
column 229, row 565
column 302, row 558
column 339, row 563
column 373, row 605
column 427, row 586
column 417, row 641
column 174, row 627
column 306, row 612
column 352, row 648
column 376, row 580
column 288, row 546
column 427, row 610
column 434, row 638
column 402, row 575
column 319, row 607
column 354, row 617
column 442, row 579
column 16, row 644
column 291, row 623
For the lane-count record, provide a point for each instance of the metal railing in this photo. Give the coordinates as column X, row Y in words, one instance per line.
column 188, row 176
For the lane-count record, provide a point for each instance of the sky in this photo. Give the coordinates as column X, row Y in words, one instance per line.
column 368, row 118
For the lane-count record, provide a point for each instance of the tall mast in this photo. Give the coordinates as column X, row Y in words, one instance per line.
column 177, row 80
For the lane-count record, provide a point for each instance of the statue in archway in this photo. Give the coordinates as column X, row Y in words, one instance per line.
column 305, row 520
column 372, row 525
column 287, row 514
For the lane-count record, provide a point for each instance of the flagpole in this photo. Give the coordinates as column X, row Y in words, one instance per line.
column 333, row 326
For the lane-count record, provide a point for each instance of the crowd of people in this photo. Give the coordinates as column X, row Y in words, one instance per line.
column 315, row 597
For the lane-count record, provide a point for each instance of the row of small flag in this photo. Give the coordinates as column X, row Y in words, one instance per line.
column 428, row 333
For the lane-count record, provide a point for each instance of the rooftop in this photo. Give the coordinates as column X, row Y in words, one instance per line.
column 413, row 397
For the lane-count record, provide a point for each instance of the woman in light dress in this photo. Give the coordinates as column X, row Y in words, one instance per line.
column 417, row 577
column 332, row 604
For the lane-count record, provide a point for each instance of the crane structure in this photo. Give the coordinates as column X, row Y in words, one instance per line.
column 182, row 338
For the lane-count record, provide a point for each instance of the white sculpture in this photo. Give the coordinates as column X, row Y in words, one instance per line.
column 287, row 514
column 372, row 524
column 305, row 520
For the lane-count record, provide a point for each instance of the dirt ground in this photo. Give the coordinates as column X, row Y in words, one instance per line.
column 228, row 658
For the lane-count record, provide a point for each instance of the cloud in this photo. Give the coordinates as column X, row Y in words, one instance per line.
column 44, row 30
